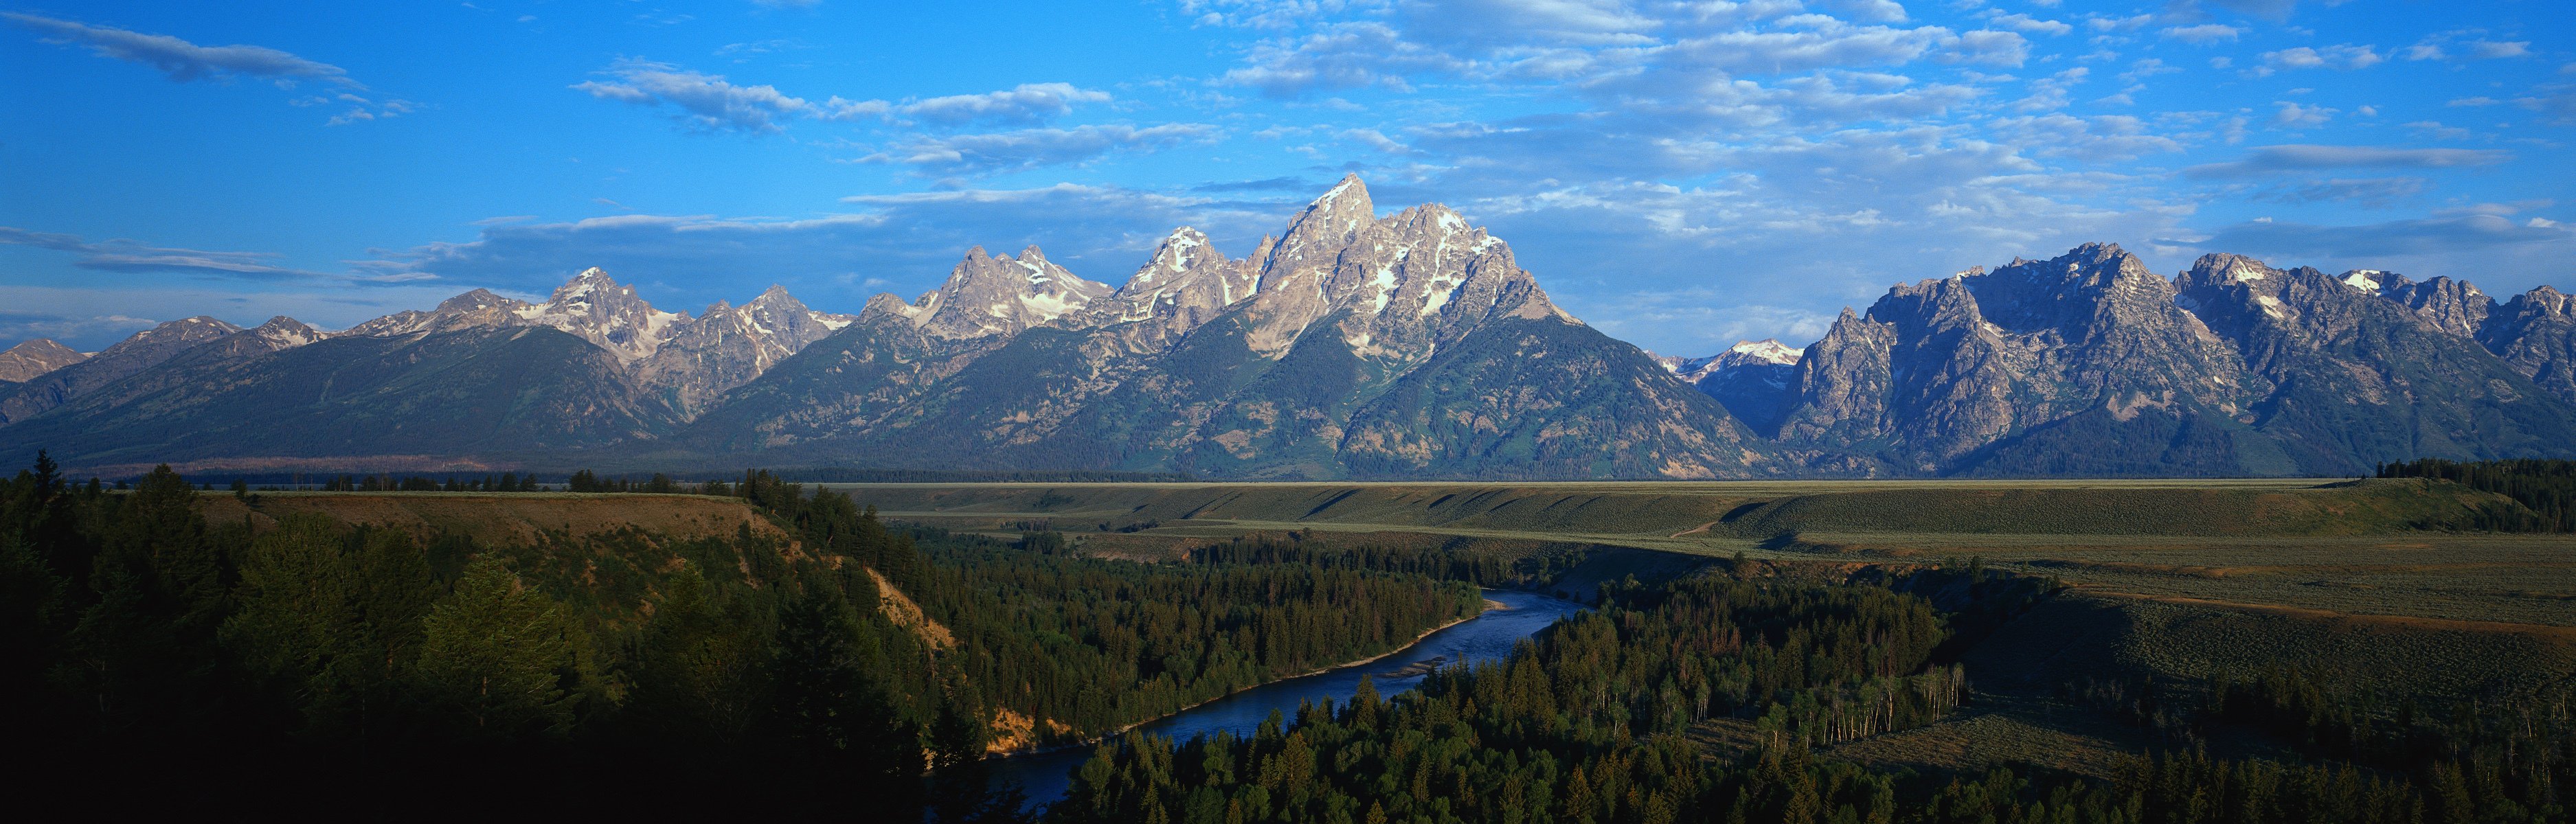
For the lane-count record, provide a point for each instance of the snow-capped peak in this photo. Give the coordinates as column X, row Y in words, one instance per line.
column 2363, row 280
column 1768, row 350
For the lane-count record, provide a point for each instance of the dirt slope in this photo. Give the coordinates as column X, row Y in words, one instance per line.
column 503, row 520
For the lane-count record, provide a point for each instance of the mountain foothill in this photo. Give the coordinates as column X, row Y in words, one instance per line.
column 1349, row 345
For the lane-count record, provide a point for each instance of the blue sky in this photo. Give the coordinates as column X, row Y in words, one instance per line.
column 1680, row 174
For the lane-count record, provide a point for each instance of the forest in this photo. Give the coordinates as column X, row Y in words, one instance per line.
column 332, row 664
column 239, row 665
column 2545, row 491
column 1590, row 723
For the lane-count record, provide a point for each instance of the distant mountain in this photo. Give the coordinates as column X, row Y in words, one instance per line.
column 1753, row 379
column 505, row 393
column 729, row 345
column 2088, row 364
column 27, row 361
column 1351, row 345
column 2535, row 333
column 144, row 350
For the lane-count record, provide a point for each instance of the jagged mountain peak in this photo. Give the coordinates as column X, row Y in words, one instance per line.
column 2549, row 296
column 1766, row 350
column 597, row 308
column 1320, row 231
column 2091, row 284
column 287, row 332
column 1180, row 252
column 775, row 295
column 2223, row 267
column 478, row 299
column 987, row 295
column 2453, row 306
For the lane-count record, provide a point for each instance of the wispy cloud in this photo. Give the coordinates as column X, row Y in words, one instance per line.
column 181, row 60
column 1027, row 103
column 2203, row 34
column 186, row 62
column 998, row 152
column 2292, row 158
column 705, row 101
column 129, row 256
column 2345, row 57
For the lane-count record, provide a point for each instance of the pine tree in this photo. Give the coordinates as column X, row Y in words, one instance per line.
column 499, row 658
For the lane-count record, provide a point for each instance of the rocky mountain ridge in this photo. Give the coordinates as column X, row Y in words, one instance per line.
column 29, row 359
column 1354, row 345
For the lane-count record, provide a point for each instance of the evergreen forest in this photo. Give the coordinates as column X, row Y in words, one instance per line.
column 240, row 668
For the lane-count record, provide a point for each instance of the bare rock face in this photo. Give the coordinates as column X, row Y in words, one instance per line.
column 1412, row 346
column 684, row 362
column 477, row 309
column 2536, row 333
column 729, row 345
column 25, row 361
column 1940, row 369
column 281, row 332
column 1293, row 288
column 2452, row 306
column 988, row 296
column 205, row 362
column 591, row 306
column 598, row 309
column 1186, row 283
column 1844, row 381
column 132, row 355
column 2343, row 377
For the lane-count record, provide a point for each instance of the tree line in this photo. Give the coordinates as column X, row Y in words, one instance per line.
column 1584, row 723
column 2544, row 489
column 294, row 658
column 1587, row 723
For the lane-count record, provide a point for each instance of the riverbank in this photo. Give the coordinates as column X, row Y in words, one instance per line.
column 1488, row 636
column 1491, row 605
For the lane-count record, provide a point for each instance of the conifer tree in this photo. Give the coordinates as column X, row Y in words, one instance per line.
column 500, row 658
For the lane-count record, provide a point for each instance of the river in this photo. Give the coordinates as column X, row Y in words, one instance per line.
column 1487, row 637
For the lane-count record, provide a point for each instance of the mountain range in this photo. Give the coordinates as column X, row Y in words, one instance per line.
column 1347, row 346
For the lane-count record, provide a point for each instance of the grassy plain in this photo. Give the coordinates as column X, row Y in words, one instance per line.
column 2338, row 546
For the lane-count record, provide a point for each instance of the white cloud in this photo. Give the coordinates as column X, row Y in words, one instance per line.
column 2203, row 34
column 2491, row 50
column 2290, row 115
column 2345, row 56
column 2098, row 139
column 1340, row 56
column 2051, row 92
column 1874, row 11
column 1026, row 103
column 1990, row 48
column 2026, row 23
